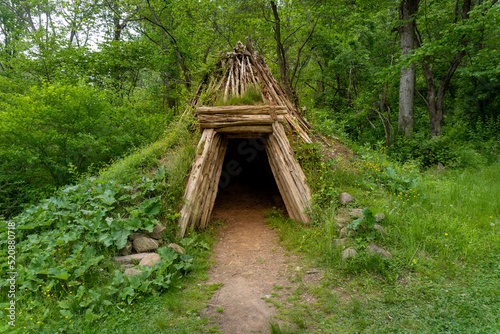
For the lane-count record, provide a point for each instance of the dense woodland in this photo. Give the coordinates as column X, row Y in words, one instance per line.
column 84, row 82
column 98, row 135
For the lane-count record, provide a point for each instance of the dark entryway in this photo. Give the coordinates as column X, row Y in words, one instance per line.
column 246, row 172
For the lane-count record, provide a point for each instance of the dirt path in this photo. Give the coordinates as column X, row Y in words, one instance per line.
column 249, row 262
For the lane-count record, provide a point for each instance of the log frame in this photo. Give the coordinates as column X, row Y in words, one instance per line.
column 202, row 185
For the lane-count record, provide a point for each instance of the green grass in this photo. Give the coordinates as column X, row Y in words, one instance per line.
column 252, row 95
column 444, row 236
column 179, row 310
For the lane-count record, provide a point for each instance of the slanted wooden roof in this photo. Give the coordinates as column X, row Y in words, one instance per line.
column 238, row 70
column 235, row 72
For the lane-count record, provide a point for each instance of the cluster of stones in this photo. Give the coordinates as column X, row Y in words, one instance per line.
column 346, row 234
column 140, row 250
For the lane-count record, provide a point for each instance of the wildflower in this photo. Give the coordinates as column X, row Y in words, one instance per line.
column 446, row 234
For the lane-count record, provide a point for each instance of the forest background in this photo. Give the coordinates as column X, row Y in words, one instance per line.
column 85, row 82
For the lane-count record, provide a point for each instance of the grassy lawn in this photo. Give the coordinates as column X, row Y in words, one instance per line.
column 444, row 237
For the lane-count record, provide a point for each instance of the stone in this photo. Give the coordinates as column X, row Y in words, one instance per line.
column 342, row 220
column 379, row 217
column 357, row 213
column 380, row 228
column 341, row 242
column 373, row 248
column 136, row 235
column 346, row 232
column 145, row 244
column 440, row 168
column 177, row 248
column 349, row 253
column 126, row 250
column 345, row 198
column 158, row 232
column 132, row 272
column 131, row 259
column 150, row 260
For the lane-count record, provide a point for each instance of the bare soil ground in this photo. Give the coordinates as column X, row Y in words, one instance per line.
column 249, row 262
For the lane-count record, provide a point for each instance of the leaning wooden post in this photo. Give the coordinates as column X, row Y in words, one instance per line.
column 201, row 188
column 288, row 174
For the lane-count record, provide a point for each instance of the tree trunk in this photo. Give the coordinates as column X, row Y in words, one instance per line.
column 435, row 100
column 280, row 53
column 435, row 112
column 407, row 11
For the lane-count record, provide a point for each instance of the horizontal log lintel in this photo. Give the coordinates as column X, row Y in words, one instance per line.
column 238, row 110
column 246, row 129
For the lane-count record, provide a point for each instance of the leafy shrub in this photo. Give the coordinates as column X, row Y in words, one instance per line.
column 428, row 152
column 62, row 245
column 319, row 174
column 53, row 133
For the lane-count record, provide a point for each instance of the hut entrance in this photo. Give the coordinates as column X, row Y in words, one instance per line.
column 246, row 175
column 246, row 164
column 240, row 76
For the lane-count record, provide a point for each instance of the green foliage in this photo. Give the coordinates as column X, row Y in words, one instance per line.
column 252, row 95
column 61, row 245
column 56, row 132
column 64, row 244
column 442, row 232
column 365, row 223
column 443, row 149
column 320, row 176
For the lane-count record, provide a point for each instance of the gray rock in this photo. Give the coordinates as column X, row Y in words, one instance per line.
column 373, row 248
column 357, row 213
column 346, row 232
column 341, row 242
column 379, row 217
column 177, row 248
column 380, row 228
column 440, row 168
column 132, row 272
column 342, row 220
column 145, row 244
column 131, row 259
column 158, row 232
column 136, row 235
column 349, row 253
column 345, row 198
column 150, row 260
column 126, row 250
